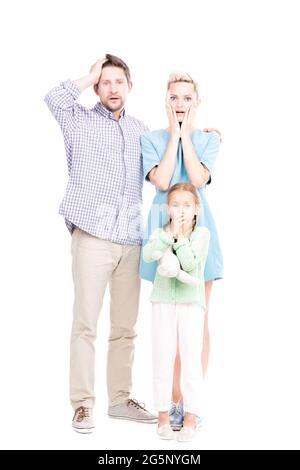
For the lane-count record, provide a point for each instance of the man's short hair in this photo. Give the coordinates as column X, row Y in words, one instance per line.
column 114, row 61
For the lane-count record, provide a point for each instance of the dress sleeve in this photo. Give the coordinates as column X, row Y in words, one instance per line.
column 208, row 155
column 149, row 155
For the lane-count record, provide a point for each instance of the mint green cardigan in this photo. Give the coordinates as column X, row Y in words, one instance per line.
column 192, row 253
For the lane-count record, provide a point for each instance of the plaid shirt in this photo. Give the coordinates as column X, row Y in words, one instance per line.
column 104, row 192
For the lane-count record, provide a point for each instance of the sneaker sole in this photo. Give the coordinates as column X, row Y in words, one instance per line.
column 83, row 430
column 184, row 440
column 146, row 421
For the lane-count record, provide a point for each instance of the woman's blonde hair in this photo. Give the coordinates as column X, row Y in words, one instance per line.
column 176, row 77
column 184, row 187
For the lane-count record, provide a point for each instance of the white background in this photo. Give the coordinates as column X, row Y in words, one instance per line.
column 245, row 57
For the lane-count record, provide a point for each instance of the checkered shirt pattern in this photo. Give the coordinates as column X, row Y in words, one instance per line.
column 104, row 192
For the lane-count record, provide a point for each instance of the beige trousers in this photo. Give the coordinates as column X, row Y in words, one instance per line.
column 95, row 263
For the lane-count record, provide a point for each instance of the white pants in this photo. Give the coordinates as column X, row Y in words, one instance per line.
column 182, row 325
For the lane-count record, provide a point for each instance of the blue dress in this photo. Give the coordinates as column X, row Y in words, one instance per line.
column 206, row 145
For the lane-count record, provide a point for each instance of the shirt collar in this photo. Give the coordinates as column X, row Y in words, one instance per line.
column 106, row 112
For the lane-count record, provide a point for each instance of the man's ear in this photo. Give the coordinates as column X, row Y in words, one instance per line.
column 96, row 88
column 130, row 84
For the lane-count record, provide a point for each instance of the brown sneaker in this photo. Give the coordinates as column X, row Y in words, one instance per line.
column 83, row 420
column 133, row 411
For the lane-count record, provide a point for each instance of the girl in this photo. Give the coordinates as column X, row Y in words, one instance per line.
column 178, row 309
column 182, row 153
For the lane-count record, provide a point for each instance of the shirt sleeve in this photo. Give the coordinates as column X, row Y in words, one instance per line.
column 159, row 241
column 190, row 253
column 61, row 101
column 149, row 155
column 208, row 156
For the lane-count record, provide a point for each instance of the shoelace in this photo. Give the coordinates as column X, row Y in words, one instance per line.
column 136, row 404
column 82, row 413
column 175, row 408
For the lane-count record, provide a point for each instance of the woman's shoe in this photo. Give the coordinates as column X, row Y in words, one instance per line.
column 186, row 434
column 165, row 432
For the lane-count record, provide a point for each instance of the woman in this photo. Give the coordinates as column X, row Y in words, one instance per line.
column 182, row 153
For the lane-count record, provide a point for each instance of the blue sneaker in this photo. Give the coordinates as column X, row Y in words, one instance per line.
column 176, row 414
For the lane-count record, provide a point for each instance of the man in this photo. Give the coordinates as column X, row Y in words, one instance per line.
column 102, row 210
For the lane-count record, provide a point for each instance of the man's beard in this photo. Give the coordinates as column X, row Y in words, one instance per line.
column 113, row 110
